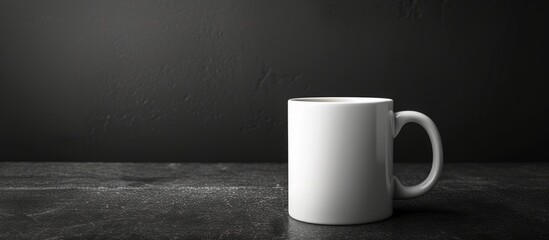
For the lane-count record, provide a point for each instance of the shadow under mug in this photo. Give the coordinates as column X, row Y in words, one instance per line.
column 340, row 159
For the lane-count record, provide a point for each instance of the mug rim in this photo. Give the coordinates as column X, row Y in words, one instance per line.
column 341, row 100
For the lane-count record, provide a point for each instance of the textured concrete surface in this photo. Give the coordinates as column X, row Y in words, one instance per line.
column 246, row 201
column 131, row 80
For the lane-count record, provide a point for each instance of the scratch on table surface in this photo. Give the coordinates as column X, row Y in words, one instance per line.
column 45, row 212
column 274, row 177
column 260, row 201
column 93, row 223
column 226, row 200
column 274, row 211
column 29, row 216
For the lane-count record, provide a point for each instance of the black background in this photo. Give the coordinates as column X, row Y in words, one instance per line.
column 207, row 81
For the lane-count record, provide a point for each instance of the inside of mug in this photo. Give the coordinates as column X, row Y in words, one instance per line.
column 341, row 99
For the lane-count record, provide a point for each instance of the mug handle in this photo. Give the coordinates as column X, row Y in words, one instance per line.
column 406, row 192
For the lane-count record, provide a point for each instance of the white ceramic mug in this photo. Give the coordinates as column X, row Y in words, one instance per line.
column 340, row 159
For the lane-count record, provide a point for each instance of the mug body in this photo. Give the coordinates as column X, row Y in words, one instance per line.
column 340, row 159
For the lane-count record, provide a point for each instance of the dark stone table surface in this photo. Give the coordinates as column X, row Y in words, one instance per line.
column 245, row 201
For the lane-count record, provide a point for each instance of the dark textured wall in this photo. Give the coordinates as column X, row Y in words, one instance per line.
column 208, row 80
